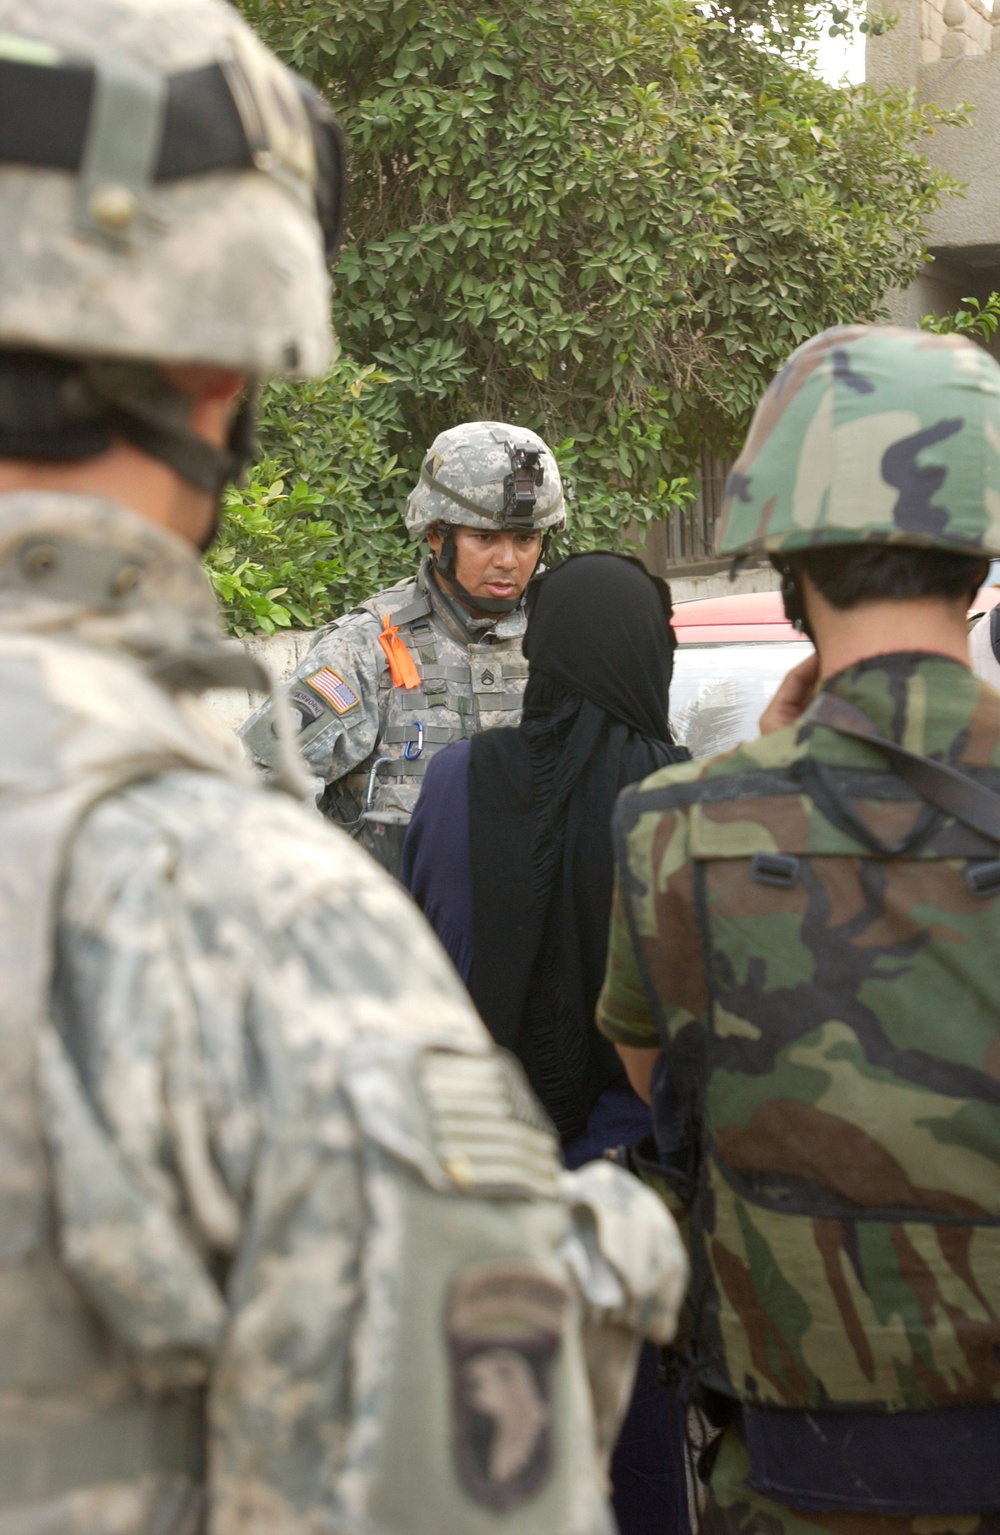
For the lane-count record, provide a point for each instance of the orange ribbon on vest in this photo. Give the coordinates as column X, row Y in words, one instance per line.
column 402, row 666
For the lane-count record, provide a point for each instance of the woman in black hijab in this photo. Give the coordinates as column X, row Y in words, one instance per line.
column 509, row 851
column 600, row 650
column 509, row 856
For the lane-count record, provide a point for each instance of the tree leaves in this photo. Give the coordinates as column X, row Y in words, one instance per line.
column 317, row 527
column 609, row 220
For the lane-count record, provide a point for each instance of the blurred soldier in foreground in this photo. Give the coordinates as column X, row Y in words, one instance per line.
column 803, row 970
column 284, row 1243
column 435, row 658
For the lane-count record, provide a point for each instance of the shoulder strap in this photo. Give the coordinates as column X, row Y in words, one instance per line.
column 951, row 791
column 420, row 607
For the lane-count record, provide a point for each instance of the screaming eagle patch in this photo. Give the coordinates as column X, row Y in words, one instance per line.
column 505, row 1327
column 331, row 686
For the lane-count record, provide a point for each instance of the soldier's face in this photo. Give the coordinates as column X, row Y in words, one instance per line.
column 492, row 564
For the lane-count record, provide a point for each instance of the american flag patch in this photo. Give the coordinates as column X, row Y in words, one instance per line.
column 334, row 689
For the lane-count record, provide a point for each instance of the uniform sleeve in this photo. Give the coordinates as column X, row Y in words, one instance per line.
column 665, row 926
column 205, row 989
column 623, row 1013
column 334, row 697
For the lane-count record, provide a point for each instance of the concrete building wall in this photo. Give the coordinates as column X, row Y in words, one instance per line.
column 948, row 52
column 280, row 653
column 952, row 28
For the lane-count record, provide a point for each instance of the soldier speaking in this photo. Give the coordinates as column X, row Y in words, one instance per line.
column 803, row 970
column 435, row 658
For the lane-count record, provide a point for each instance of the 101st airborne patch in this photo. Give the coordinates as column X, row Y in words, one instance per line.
column 505, row 1329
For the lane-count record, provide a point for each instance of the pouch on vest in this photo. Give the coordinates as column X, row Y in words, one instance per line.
column 844, row 1212
column 846, row 1230
column 472, row 1410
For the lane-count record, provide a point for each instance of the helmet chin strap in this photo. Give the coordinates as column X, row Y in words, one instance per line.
column 791, row 596
column 444, row 564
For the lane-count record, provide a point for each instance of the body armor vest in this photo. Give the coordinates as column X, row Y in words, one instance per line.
column 834, row 1105
column 463, row 689
column 456, row 699
column 487, row 1301
column 74, row 1412
column 466, row 684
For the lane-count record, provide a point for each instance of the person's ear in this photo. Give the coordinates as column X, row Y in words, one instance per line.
column 434, row 539
column 214, row 394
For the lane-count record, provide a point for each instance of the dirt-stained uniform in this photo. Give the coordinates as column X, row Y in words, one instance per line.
column 366, row 730
column 812, row 944
column 285, row 1244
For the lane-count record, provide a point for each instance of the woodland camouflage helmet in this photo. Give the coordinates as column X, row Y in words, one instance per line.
column 871, row 434
column 489, row 476
column 169, row 193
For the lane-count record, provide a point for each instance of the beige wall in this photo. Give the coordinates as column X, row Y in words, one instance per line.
column 952, row 28
column 280, row 653
column 927, row 34
column 948, row 51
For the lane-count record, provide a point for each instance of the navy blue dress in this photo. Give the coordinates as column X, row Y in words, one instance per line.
column 647, row 1470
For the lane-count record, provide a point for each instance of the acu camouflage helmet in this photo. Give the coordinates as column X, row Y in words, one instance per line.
column 871, row 434
column 163, row 183
column 490, row 476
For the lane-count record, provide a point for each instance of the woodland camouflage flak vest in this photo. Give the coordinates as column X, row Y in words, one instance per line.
column 836, row 1054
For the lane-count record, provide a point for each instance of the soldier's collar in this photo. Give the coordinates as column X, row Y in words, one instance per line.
column 89, row 567
column 921, row 699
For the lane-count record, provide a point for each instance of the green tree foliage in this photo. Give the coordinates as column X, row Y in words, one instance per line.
column 606, row 219
column 317, row 527
column 977, row 320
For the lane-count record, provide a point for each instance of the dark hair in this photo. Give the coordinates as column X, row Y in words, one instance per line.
column 847, row 575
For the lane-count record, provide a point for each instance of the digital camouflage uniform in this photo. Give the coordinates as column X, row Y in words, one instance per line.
column 813, row 945
column 285, row 1245
column 295, row 1186
column 350, row 715
column 368, row 739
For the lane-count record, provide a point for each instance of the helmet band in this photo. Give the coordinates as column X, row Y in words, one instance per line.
column 514, row 517
column 121, row 128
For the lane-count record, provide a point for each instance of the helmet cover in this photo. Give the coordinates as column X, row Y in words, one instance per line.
column 225, row 267
column 490, row 476
column 871, row 434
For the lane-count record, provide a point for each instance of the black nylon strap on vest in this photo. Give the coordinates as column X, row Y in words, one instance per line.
column 45, row 116
column 951, row 791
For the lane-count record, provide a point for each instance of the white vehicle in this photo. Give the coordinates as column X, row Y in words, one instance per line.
column 732, row 653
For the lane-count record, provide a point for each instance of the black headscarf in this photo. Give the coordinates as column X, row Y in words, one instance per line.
column 600, row 649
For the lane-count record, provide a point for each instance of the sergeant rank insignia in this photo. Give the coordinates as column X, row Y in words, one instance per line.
column 341, row 698
column 505, row 1326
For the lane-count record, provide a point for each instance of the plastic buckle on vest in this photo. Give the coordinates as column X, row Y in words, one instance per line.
column 778, row 869
column 983, row 879
column 409, row 753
